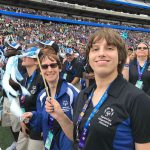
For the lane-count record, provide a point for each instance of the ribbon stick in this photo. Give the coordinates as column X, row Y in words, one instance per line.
column 46, row 87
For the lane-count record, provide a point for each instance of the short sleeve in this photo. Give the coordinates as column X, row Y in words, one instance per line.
column 140, row 118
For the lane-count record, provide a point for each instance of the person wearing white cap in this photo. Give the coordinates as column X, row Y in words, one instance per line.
column 71, row 70
column 48, row 44
column 11, row 49
column 29, row 139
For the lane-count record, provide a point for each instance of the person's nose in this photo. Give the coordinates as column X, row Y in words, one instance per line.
column 101, row 51
column 49, row 68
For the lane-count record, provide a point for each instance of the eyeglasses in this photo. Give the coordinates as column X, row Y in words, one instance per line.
column 53, row 65
column 144, row 48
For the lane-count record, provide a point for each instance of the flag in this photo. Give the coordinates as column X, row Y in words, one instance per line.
column 31, row 52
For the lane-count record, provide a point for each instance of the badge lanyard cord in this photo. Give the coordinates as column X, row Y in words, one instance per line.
column 68, row 66
column 51, row 121
column 51, row 127
column 84, row 133
column 28, row 82
column 141, row 71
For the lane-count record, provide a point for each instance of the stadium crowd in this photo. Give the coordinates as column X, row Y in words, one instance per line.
column 65, row 16
column 65, row 65
column 64, row 34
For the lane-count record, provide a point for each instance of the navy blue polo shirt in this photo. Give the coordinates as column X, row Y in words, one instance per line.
column 122, row 120
column 133, row 75
column 72, row 70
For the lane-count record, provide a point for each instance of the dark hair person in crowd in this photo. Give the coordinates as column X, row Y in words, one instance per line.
column 62, row 92
column 112, row 113
column 131, row 53
column 71, row 71
column 138, row 70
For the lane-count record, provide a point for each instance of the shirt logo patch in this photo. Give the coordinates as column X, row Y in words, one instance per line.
column 65, row 103
column 65, row 106
column 108, row 112
column 33, row 90
column 106, row 118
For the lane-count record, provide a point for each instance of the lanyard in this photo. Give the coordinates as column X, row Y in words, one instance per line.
column 84, row 133
column 51, row 121
column 140, row 72
column 68, row 66
column 28, row 82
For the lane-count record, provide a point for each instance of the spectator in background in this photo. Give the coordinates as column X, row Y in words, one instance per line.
column 1, row 77
column 50, row 46
column 138, row 70
column 1, row 43
column 72, row 69
column 29, row 139
column 82, row 60
column 131, row 53
column 89, row 75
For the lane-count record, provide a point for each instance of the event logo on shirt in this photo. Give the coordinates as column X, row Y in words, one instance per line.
column 65, row 106
column 33, row 90
column 106, row 118
column 65, row 103
column 108, row 112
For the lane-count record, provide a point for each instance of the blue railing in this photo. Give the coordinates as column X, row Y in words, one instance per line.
column 69, row 21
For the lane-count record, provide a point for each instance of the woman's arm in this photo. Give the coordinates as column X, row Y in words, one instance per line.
column 66, row 125
column 54, row 109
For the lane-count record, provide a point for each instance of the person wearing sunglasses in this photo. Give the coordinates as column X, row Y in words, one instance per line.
column 64, row 93
column 138, row 70
column 112, row 114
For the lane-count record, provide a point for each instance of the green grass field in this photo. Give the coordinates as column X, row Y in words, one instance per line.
column 6, row 137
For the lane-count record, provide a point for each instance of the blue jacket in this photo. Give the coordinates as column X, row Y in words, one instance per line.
column 66, row 98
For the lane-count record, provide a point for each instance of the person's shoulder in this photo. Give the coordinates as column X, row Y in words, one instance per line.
column 122, row 87
column 135, row 93
column 72, row 87
column 132, row 89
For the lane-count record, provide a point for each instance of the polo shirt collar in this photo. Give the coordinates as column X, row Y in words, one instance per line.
column 115, row 88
